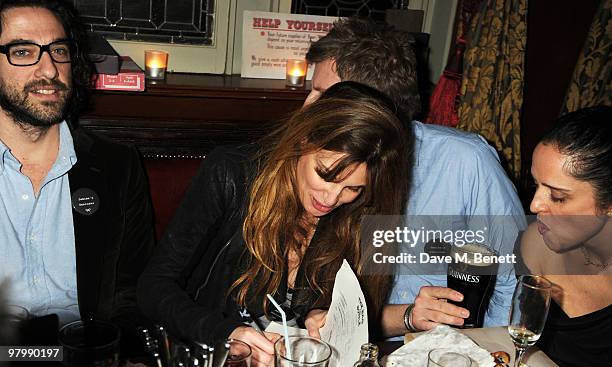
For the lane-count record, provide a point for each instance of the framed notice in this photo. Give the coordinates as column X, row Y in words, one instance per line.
column 269, row 39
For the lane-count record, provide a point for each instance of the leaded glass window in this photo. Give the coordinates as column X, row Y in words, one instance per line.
column 165, row 21
column 374, row 9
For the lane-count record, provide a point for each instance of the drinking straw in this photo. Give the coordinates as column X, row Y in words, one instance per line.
column 284, row 317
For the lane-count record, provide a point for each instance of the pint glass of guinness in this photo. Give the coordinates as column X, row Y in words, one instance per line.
column 473, row 274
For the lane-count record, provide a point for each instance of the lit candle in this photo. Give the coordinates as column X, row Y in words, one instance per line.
column 156, row 63
column 296, row 72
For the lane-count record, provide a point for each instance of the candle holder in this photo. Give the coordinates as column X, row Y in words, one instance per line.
column 296, row 72
column 156, row 63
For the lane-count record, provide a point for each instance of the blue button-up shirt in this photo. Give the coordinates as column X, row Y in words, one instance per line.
column 458, row 174
column 37, row 248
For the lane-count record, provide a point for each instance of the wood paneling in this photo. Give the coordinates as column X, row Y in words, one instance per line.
column 189, row 114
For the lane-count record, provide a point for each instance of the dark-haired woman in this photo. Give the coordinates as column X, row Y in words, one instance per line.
column 571, row 241
column 280, row 223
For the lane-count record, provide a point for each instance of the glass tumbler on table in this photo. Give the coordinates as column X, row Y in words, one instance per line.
column 17, row 313
column 239, row 354
column 305, row 351
column 90, row 343
column 528, row 312
column 443, row 357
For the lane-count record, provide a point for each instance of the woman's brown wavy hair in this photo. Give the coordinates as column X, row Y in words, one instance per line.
column 365, row 129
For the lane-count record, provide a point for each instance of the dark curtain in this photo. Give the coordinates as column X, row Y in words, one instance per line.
column 591, row 82
column 492, row 85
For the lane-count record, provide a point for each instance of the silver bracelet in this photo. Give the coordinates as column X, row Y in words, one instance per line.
column 408, row 319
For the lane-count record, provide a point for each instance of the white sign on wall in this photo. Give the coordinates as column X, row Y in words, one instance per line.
column 269, row 39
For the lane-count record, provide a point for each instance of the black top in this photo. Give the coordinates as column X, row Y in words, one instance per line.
column 578, row 341
column 583, row 341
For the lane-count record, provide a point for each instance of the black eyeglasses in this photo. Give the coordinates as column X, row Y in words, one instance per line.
column 29, row 53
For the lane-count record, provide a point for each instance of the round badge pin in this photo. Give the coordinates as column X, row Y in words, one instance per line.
column 85, row 201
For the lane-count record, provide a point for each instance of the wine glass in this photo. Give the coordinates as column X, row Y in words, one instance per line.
column 528, row 313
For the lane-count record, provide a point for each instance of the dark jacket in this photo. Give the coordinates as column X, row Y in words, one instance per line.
column 114, row 243
column 185, row 286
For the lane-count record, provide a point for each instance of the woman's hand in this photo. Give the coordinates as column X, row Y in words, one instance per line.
column 315, row 320
column 262, row 344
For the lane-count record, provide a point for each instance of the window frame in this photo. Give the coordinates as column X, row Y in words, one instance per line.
column 222, row 56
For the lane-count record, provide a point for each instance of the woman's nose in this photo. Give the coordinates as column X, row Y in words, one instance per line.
column 537, row 204
column 332, row 194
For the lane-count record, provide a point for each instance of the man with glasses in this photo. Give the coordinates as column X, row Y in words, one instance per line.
column 75, row 216
column 29, row 53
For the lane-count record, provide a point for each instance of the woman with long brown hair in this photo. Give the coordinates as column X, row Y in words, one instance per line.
column 278, row 219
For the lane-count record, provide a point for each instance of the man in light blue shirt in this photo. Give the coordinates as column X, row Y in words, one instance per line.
column 458, row 174
column 34, row 231
column 455, row 173
column 75, row 216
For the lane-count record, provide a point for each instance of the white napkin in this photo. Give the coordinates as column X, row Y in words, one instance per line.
column 414, row 354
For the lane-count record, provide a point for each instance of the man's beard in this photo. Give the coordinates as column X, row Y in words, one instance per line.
column 31, row 114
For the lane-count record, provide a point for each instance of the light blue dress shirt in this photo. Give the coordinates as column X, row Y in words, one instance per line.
column 459, row 174
column 37, row 248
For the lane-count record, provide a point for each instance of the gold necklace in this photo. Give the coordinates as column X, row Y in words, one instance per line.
column 588, row 261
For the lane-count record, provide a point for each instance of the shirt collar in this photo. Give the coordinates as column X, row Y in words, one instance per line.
column 66, row 157
column 67, row 144
column 417, row 128
column 4, row 153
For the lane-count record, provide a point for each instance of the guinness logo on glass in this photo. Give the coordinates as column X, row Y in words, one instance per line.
column 473, row 278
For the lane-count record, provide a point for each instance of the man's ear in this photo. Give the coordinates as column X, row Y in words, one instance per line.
column 334, row 66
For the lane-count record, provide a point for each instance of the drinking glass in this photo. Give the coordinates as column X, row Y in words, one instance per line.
column 90, row 343
column 17, row 313
column 444, row 357
column 239, row 354
column 11, row 319
column 528, row 313
column 474, row 279
column 305, row 351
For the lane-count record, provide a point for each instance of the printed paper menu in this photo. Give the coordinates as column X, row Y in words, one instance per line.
column 346, row 324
